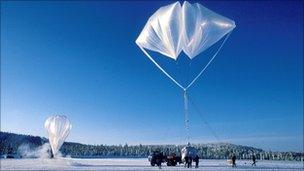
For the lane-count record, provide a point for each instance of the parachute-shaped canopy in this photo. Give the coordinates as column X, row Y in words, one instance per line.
column 58, row 128
column 191, row 27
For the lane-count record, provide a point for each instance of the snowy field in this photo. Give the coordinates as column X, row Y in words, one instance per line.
column 137, row 164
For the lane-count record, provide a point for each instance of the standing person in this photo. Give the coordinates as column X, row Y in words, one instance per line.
column 189, row 162
column 186, row 161
column 196, row 160
column 233, row 160
column 253, row 160
column 159, row 159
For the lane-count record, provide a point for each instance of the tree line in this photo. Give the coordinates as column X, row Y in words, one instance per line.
column 9, row 144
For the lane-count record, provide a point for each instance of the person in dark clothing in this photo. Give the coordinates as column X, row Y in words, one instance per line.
column 189, row 162
column 186, row 161
column 196, row 160
column 253, row 160
column 158, row 160
column 233, row 160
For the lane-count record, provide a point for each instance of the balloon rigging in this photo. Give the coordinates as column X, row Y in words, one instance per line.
column 188, row 28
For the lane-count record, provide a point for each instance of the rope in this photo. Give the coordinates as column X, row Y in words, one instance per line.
column 203, row 70
column 204, row 120
column 168, row 75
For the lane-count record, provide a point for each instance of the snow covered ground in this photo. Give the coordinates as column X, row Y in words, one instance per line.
column 137, row 164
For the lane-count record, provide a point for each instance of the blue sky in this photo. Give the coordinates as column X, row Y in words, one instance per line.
column 80, row 59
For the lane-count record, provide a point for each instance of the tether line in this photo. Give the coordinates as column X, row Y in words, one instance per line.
column 186, row 112
column 203, row 119
column 168, row 75
column 203, row 70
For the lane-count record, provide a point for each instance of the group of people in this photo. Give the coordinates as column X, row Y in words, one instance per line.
column 188, row 161
column 158, row 159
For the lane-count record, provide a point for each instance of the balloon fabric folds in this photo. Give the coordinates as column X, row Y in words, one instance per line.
column 58, row 128
column 191, row 28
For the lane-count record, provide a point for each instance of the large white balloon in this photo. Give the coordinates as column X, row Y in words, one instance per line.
column 191, row 28
column 58, row 128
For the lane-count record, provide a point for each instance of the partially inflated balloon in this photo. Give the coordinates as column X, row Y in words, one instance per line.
column 58, row 128
column 189, row 28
